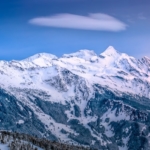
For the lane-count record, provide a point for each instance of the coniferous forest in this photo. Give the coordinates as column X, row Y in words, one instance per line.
column 20, row 141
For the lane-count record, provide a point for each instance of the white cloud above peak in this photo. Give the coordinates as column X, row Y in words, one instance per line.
column 95, row 21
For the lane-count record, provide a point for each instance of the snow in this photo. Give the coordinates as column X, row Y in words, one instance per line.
column 41, row 56
column 110, row 51
column 115, row 71
column 111, row 69
column 20, row 122
column 35, row 70
column 83, row 54
column 4, row 146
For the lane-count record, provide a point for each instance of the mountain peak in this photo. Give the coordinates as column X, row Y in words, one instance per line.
column 40, row 59
column 110, row 51
column 41, row 56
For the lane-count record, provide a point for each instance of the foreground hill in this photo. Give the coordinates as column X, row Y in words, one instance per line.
column 101, row 101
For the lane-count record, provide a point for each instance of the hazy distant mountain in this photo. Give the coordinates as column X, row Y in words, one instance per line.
column 101, row 101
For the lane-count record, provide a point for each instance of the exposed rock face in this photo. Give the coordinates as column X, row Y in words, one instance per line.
column 101, row 101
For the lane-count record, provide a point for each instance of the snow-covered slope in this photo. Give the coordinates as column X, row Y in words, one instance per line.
column 61, row 98
column 118, row 70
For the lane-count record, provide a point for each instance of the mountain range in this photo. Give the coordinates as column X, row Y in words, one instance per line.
column 98, row 101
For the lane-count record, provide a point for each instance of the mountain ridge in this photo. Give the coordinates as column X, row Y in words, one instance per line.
column 100, row 101
column 84, row 63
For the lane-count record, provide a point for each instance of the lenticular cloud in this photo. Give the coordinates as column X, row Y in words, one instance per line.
column 96, row 21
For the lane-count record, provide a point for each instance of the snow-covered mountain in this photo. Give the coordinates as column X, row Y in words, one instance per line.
column 101, row 101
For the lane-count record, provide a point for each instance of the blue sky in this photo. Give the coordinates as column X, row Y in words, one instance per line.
column 64, row 26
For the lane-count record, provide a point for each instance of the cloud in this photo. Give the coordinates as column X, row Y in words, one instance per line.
column 97, row 21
